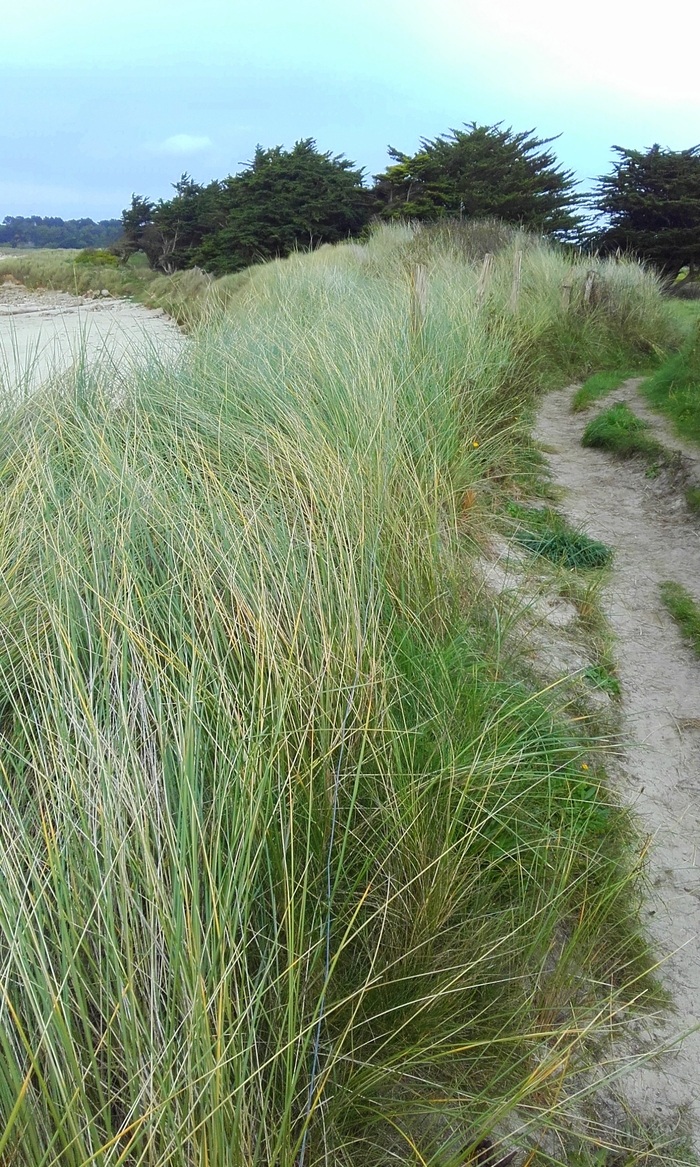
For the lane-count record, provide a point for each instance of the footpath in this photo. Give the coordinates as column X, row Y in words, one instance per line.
column 655, row 539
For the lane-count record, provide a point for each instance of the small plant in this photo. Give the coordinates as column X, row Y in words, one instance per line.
column 97, row 257
column 596, row 386
column 545, row 532
column 619, row 430
column 684, row 609
column 601, row 678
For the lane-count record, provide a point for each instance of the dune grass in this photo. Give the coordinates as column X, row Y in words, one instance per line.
column 295, row 869
column 674, row 389
column 684, row 609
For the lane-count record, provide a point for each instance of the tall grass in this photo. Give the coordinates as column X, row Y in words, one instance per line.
column 293, row 868
column 675, row 387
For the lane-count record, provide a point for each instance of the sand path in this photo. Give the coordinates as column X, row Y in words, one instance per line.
column 46, row 332
column 655, row 539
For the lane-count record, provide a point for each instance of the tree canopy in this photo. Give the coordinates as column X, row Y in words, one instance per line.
column 282, row 200
column 35, row 231
column 651, row 201
column 481, row 172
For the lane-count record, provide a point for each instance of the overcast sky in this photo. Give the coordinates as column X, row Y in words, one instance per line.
column 99, row 99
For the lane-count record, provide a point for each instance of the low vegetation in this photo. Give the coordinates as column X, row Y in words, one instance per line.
column 595, row 387
column 675, row 388
column 296, row 867
column 684, row 609
column 619, row 430
column 545, row 532
column 73, row 271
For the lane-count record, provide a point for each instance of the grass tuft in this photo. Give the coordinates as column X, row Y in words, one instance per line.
column 545, row 532
column 619, row 430
column 684, row 609
column 595, row 387
column 692, row 498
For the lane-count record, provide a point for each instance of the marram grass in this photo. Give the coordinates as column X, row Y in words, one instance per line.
column 293, row 868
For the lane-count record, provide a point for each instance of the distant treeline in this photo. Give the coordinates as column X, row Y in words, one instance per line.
column 35, row 231
column 648, row 206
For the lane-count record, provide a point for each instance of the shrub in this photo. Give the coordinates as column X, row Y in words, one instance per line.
column 97, row 257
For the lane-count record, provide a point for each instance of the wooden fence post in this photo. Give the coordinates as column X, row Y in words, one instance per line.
column 484, row 278
column 566, row 290
column 419, row 296
column 589, row 287
column 515, row 290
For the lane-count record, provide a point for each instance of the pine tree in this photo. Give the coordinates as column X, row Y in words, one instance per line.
column 481, row 172
column 284, row 199
column 652, row 204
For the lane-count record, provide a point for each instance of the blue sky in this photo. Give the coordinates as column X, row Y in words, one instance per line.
column 99, row 99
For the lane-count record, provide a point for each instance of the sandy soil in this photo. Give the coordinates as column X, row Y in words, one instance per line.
column 655, row 538
column 43, row 332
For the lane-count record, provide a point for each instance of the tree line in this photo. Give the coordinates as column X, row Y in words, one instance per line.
column 35, row 231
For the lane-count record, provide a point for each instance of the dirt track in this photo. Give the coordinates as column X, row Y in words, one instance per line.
column 655, row 539
column 45, row 332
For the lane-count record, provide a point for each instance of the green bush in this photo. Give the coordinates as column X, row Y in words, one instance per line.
column 97, row 257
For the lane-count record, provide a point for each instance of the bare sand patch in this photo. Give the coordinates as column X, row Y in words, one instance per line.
column 45, row 332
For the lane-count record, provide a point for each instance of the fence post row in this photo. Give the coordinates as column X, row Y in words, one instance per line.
column 484, row 278
column 589, row 287
column 419, row 296
column 566, row 290
column 517, row 271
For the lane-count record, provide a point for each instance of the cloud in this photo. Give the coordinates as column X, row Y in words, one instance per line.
column 185, row 144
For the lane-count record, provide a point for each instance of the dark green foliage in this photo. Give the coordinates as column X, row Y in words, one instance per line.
column 652, row 203
column 545, row 532
column 675, row 388
column 684, row 609
column 281, row 201
column 619, row 430
column 141, row 233
column 35, row 231
column 481, row 172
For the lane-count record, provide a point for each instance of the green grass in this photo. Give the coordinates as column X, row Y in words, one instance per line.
column 545, row 532
column 692, row 498
column 684, row 609
column 620, row 431
column 294, row 865
column 596, row 387
column 674, row 388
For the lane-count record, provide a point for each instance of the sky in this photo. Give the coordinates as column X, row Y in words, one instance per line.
column 100, row 99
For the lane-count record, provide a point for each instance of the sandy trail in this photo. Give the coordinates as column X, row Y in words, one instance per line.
column 655, row 540
column 46, row 332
